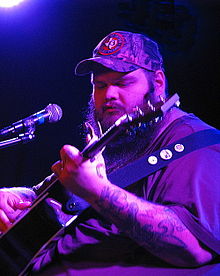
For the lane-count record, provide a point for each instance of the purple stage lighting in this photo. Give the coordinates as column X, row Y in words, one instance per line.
column 9, row 3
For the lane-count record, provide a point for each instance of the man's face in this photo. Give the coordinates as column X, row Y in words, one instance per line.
column 117, row 93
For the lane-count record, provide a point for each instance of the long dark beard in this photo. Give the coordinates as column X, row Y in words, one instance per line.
column 127, row 146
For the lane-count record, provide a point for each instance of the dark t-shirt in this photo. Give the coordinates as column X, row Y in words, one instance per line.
column 190, row 186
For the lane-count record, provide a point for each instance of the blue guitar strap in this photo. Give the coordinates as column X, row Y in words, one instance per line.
column 149, row 164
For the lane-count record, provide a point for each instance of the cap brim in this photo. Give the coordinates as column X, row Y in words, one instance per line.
column 87, row 66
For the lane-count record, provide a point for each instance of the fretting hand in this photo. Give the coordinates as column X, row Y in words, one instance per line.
column 80, row 176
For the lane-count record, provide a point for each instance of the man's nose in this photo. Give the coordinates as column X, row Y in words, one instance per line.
column 111, row 92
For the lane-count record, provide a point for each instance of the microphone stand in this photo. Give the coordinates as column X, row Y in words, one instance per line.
column 22, row 138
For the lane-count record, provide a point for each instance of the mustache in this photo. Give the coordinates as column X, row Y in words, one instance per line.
column 114, row 105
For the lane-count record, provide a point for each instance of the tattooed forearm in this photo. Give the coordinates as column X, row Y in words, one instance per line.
column 133, row 220
column 155, row 227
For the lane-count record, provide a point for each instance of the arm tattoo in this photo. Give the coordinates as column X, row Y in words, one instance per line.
column 156, row 228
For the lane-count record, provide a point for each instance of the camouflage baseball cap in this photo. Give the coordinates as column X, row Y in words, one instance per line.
column 123, row 52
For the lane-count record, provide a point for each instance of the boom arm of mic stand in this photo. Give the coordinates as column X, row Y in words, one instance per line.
column 21, row 139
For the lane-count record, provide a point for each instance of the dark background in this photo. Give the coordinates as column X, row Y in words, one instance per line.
column 42, row 40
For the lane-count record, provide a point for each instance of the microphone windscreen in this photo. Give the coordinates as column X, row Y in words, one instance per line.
column 55, row 113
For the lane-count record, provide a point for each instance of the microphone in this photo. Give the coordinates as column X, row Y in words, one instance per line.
column 51, row 114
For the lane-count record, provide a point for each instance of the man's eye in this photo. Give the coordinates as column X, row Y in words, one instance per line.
column 124, row 83
column 121, row 84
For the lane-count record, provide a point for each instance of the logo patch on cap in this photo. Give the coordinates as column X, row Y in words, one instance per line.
column 112, row 44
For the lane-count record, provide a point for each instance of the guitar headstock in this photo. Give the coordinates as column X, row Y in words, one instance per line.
column 154, row 113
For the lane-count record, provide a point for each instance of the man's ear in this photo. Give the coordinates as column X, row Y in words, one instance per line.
column 159, row 83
